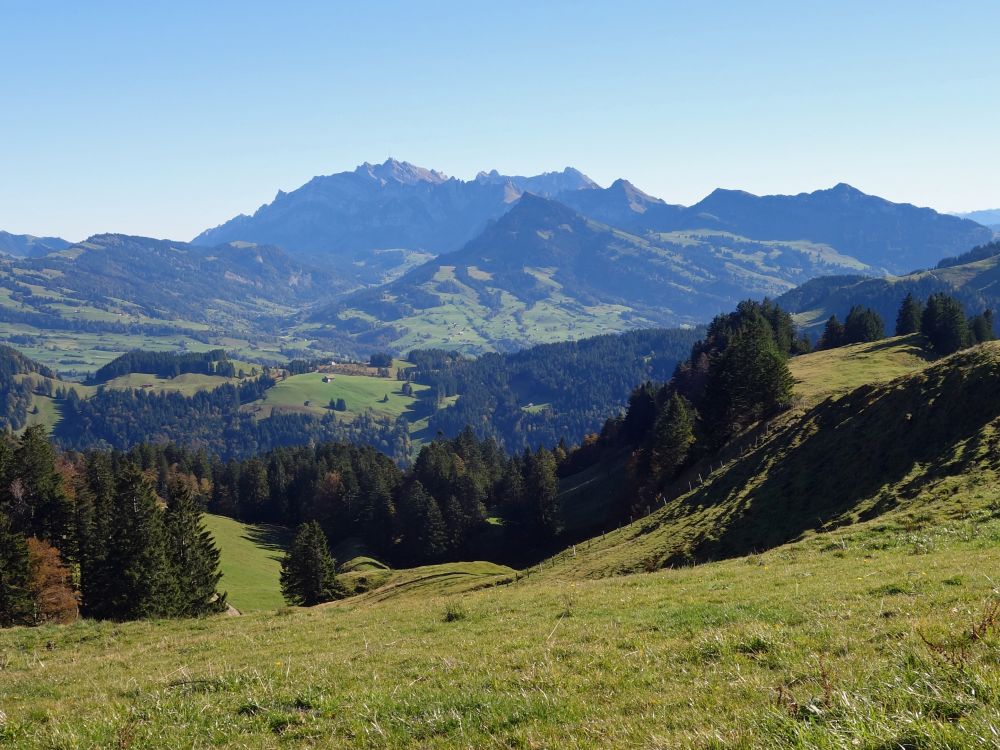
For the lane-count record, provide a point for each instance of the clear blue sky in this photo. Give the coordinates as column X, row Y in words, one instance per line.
column 166, row 120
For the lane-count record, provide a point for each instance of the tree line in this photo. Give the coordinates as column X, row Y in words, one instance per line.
column 166, row 364
column 91, row 534
column 940, row 318
column 435, row 511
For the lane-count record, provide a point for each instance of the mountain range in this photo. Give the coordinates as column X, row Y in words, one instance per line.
column 395, row 256
column 544, row 272
column 367, row 224
column 339, row 221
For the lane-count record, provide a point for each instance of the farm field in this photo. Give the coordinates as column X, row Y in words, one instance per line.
column 358, row 391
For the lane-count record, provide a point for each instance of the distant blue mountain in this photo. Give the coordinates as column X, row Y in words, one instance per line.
column 29, row 246
column 373, row 223
column 337, row 221
column 892, row 237
column 988, row 217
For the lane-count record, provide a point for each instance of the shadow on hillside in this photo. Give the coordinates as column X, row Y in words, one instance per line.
column 914, row 344
column 270, row 537
column 852, row 455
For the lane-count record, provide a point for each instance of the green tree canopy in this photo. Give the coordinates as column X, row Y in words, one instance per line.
column 308, row 571
column 944, row 324
column 908, row 319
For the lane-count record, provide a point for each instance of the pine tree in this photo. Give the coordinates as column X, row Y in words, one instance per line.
column 671, row 439
column 136, row 567
column 908, row 319
column 748, row 381
column 308, row 572
column 542, row 485
column 95, row 501
column 16, row 605
column 421, row 525
column 981, row 327
column 35, row 500
column 255, row 491
column 640, row 414
column 192, row 556
column 833, row 334
column 944, row 324
column 863, row 324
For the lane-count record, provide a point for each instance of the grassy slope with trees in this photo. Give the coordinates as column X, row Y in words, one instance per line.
column 874, row 625
column 815, row 644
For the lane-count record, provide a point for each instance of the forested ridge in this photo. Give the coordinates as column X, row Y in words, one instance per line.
column 167, row 364
column 211, row 420
column 549, row 392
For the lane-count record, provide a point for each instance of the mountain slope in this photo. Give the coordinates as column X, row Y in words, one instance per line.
column 880, row 450
column 889, row 237
column 77, row 308
column 545, row 273
column 162, row 278
column 29, row 246
column 337, row 221
column 974, row 279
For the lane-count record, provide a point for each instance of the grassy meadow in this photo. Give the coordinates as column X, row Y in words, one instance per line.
column 250, row 562
column 358, row 391
column 818, row 644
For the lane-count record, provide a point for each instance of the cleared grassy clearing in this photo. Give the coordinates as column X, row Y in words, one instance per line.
column 188, row 383
column 358, row 391
column 250, row 562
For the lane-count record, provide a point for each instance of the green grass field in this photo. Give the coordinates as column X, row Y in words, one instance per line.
column 825, row 373
column 187, row 383
column 812, row 645
column 358, row 391
column 250, row 556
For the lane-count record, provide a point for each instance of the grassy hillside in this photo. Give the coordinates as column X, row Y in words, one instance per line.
column 900, row 446
column 825, row 373
column 250, row 556
column 872, row 619
column 358, row 391
column 813, row 645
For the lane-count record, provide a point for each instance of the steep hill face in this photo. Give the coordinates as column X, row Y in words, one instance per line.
column 889, row 237
column 546, row 273
column 974, row 279
column 29, row 246
column 367, row 222
column 880, row 449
